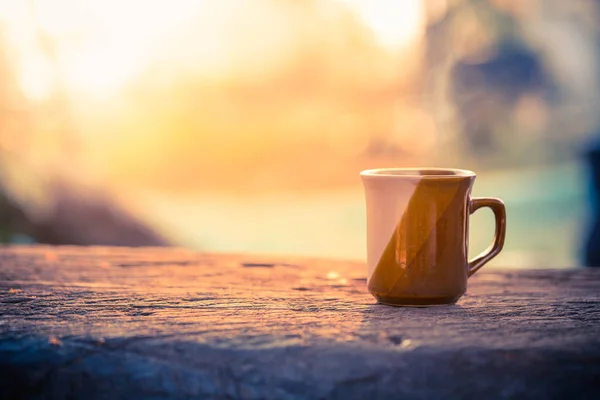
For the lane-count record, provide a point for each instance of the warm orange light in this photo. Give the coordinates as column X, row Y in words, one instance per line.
column 163, row 92
column 101, row 45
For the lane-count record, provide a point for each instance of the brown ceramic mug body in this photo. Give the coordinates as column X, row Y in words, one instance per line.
column 418, row 234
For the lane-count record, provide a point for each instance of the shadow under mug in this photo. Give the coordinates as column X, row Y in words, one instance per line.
column 418, row 234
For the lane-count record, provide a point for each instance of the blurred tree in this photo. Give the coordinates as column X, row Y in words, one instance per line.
column 489, row 85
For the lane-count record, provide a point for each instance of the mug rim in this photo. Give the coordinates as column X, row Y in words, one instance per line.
column 416, row 173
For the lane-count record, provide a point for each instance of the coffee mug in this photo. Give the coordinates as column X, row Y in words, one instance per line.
column 418, row 234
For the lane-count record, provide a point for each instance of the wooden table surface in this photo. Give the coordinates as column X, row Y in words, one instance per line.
column 111, row 323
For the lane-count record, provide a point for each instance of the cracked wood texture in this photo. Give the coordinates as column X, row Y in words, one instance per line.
column 118, row 323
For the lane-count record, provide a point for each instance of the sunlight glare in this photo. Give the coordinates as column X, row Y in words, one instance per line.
column 36, row 78
column 395, row 23
column 99, row 46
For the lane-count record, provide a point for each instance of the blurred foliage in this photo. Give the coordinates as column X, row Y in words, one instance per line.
column 516, row 80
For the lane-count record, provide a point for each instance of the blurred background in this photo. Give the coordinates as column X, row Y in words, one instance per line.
column 242, row 125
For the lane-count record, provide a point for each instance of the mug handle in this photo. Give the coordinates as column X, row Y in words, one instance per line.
column 499, row 210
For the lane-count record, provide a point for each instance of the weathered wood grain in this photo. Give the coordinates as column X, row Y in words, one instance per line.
column 110, row 323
